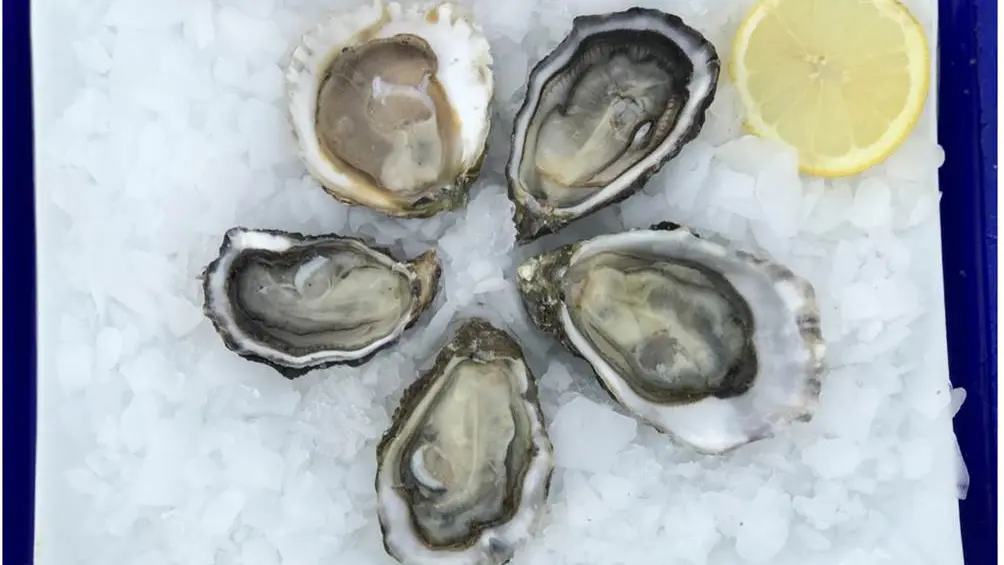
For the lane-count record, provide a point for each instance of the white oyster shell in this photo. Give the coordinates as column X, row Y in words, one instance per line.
column 408, row 130
column 776, row 310
column 620, row 96
column 298, row 303
column 464, row 471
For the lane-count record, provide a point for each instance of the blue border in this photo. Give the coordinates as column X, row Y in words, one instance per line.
column 18, row 288
column 967, row 130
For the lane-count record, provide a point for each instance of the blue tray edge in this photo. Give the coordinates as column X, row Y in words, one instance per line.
column 967, row 129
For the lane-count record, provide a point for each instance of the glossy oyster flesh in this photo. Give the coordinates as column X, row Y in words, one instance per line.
column 709, row 344
column 621, row 95
column 301, row 302
column 390, row 106
column 465, row 468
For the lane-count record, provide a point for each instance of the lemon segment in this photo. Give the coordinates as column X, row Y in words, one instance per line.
column 842, row 81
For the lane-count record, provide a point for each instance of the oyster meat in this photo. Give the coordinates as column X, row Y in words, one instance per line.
column 464, row 470
column 606, row 109
column 706, row 343
column 390, row 106
column 299, row 303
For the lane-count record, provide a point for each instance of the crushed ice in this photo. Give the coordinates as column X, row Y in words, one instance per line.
column 161, row 125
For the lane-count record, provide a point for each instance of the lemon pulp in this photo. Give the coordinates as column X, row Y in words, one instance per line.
column 842, row 81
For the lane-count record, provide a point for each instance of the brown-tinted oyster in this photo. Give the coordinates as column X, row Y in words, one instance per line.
column 390, row 106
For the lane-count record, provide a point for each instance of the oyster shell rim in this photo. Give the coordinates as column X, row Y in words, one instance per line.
column 535, row 220
column 423, row 271
column 468, row 335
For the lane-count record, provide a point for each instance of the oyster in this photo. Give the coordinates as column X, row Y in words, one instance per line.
column 299, row 303
column 464, row 471
column 708, row 344
column 390, row 106
column 605, row 110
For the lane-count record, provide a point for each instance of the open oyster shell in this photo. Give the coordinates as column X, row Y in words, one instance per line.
column 299, row 303
column 464, row 470
column 706, row 343
column 605, row 110
column 390, row 106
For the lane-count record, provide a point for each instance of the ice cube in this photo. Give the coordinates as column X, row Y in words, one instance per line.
column 833, row 458
column 872, row 206
column 763, row 529
column 74, row 365
column 258, row 551
column 220, row 512
column 588, row 436
column 557, row 377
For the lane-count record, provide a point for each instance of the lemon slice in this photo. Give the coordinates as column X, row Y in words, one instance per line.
column 842, row 81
